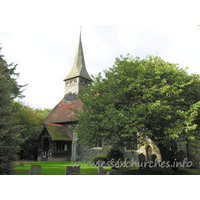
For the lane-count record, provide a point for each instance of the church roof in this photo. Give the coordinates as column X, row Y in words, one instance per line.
column 56, row 132
column 59, row 132
column 62, row 112
column 78, row 68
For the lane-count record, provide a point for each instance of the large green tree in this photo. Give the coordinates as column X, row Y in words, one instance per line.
column 30, row 121
column 9, row 130
column 139, row 99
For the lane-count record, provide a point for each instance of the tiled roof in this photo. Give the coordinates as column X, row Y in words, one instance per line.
column 61, row 113
column 58, row 132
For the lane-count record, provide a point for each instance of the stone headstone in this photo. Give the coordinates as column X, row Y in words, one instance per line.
column 35, row 170
column 72, row 170
column 100, row 167
column 153, row 158
column 141, row 160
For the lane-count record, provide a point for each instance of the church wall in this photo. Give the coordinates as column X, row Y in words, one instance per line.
column 134, row 154
column 71, row 86
column 86, row 153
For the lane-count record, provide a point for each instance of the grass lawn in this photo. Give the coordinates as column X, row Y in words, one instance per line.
column 193, row 171
column 58, row 168
column 54, row 168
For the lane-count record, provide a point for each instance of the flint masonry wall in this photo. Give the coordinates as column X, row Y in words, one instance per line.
column 86, row 153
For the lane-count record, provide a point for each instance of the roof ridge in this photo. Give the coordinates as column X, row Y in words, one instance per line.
column 53, row 124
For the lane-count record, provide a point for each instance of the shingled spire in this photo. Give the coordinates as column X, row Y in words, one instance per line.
column 78, row 68
column 78, row 76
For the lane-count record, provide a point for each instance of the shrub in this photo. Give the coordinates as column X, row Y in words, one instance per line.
column 114, row 152
column 111, row 153
column 97, row 158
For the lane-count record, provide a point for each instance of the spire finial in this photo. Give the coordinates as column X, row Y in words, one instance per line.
column 80, row 34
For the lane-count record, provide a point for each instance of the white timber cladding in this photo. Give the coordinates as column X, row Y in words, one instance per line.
column 71, row 86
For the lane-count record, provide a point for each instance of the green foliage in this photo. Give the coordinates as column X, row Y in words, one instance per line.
column 180, row 155
column 97, row 158
column 154, row 98
column 9, row 130
column 114, row 152
column 30, row 122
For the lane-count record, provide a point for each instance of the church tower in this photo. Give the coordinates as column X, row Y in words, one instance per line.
column 78, row 76
column 58, row 142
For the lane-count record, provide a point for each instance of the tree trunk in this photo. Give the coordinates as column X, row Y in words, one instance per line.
column 164, row 151
column 167, row 156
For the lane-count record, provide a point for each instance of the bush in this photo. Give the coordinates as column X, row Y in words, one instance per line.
column 114, row 152
column 97, row 158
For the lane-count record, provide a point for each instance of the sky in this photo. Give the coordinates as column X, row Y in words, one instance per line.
column 41, row 37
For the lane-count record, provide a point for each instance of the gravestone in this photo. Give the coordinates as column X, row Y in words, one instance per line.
column 141, row 160
column 35, row 170
column 100, row 167
column 72, row 170
column 153, row 158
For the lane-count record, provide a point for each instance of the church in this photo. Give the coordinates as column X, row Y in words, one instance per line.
column 57, row 140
